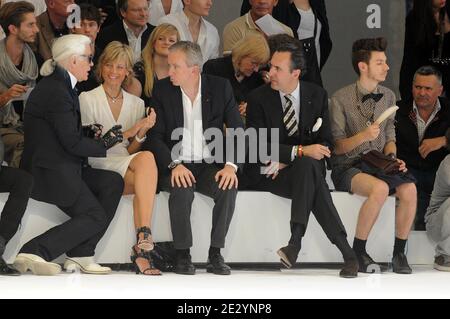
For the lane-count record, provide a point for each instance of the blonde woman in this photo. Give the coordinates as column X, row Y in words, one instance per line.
column 154, row 65
column 110, row 105
column 242, row 67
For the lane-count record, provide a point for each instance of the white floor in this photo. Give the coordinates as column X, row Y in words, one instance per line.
column 298, row 283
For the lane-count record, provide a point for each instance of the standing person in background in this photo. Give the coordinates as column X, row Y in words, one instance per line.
column 427, row 42
column 192, row 26
column 161, row 8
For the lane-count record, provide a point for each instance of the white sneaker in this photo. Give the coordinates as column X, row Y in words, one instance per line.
column 36, row 264
column 86, row 265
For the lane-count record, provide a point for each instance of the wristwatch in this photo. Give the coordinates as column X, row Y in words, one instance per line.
column 174, row 164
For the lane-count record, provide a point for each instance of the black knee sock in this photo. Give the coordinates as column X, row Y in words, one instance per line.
column 2, row 245
column 359, row 246
column 213, row 251
column 297, row 233
column 399, row 246
column 344, row 247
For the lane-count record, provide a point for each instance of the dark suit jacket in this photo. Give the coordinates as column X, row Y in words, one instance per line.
column 287, row 14
column 264, row 110
column 218, row 108
column 408, row 138
column 116, row 32
column 44, row 40
column 54, row 145
column 223, row 67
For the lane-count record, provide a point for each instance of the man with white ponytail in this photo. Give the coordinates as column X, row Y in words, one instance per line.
column 56, row 146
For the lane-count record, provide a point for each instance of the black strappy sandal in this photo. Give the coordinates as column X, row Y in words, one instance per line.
column 145, row 255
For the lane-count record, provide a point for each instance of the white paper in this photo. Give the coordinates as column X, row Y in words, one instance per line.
column 24, row 96
column 386, row 114
column 269, row 25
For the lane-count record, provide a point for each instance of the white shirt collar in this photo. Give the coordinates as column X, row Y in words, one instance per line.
column 199, row 93
column 437, row 107
column 185, row 19
column 129, row 32
column 295, row 94
column 73, row 79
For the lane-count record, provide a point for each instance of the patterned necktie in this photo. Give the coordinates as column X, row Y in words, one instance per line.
column 290, row 122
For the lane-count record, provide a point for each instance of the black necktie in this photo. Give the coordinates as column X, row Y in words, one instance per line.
column 375, row 96
column 289, row 119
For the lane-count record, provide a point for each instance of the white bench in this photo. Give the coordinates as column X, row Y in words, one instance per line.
column 259, row 227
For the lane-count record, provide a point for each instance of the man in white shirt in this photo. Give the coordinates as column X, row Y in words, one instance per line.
column 161, row 8
column 189, row 106
column 193, row 27
column 132, row 30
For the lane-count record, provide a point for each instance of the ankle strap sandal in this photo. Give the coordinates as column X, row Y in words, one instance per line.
column 145, row 243
column 139, row 253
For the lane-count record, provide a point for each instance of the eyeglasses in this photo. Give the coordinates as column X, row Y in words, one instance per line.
column 89, row 58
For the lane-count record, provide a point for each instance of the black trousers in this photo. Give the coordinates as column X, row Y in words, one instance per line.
column 19, row 184
column 303, row 182
column 180, row 204
column 90, row 215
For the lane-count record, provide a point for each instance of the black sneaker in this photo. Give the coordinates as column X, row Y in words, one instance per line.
column 216, row 265
column 400, row 264
column 368, row 265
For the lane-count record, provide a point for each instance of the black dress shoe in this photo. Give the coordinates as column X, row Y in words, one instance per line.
column 184, row 265
column 400, row 264
column 6, row 270
column 216, row 265
column 350, row 269
column 288, row 255
column 367, row 265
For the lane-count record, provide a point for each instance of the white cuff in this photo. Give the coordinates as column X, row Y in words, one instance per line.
column 293, row 154
column 232, row 165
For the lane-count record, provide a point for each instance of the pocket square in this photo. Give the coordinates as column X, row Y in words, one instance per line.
column 318, row 124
